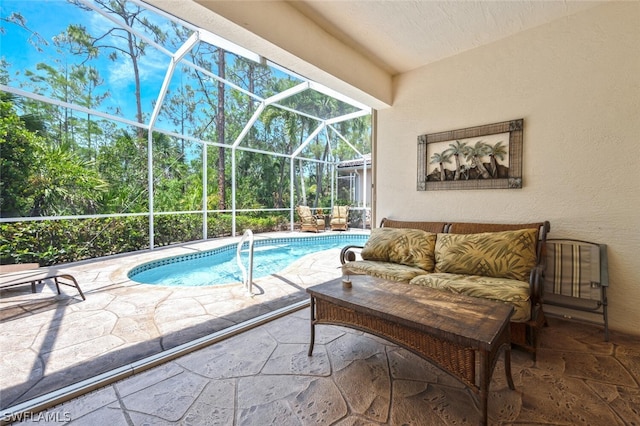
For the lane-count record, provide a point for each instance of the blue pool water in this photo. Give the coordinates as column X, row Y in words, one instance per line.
column 219, row 266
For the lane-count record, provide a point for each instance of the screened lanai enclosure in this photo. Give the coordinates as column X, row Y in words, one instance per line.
column 127, row 128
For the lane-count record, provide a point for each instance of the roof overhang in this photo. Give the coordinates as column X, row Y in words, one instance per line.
column 300, row 46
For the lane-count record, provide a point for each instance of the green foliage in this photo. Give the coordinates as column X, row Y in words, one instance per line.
column 61, row 183
column 262, row 222
column 172, row 229
column 64, row 161
column 114, row 157
column 123, row 164
column 219, row 225
column 17, row 154
column 51, row 242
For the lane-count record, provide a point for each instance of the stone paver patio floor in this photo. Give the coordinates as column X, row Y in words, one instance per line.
column 263, row 376
column 50, row 341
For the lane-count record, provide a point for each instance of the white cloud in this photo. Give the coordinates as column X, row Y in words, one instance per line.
column 152, row 66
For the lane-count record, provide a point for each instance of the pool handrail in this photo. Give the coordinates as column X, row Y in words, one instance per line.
column 247, row 277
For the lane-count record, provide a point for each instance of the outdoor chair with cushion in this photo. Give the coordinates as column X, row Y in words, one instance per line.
column 576, row 280
column 340, row 218
column 309, row 221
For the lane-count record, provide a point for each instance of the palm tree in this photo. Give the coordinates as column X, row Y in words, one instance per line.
column 499, row 151
column 441, row 158
column 475, row 154
column 464, row 171
column 457, row 150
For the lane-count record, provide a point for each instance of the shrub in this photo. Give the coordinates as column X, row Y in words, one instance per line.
column 50, row 242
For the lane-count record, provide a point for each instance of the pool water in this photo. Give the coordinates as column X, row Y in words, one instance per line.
column 219, row 266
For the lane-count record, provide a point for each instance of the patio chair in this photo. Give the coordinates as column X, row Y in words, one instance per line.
column 19, row 267
column 309, row 221
column 37, row 275
column 576, row 279
column 340, row 218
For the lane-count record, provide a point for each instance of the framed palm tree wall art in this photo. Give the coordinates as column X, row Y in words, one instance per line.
column 481, row 157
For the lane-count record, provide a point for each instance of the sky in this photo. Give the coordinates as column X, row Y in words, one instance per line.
column 23, row 50
column 45, row 16
column 49, row 18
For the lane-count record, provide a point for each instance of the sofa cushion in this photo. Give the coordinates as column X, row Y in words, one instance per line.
column 507, row 254
column 385, row 270
column 410, row 247
column 503, row 290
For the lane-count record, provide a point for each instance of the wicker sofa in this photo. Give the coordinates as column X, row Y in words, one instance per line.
column 502, row 262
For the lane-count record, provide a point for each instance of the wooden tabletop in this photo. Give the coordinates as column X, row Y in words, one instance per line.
column 470, row 321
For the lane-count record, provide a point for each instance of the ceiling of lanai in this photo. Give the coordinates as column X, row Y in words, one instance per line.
column 402, row 35
column 382, row 38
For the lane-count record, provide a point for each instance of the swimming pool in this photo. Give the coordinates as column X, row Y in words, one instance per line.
column 218, row 266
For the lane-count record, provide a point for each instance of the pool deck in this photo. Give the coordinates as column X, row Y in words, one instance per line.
column 50, row 341
column 263, row 375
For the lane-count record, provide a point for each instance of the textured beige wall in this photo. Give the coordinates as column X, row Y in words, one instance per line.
column 576, row 83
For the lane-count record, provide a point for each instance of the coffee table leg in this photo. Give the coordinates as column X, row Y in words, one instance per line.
column 313, row 326
column 507, row 367
column 484, row 385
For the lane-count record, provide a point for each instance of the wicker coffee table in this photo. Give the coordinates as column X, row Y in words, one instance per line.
column 462, row 335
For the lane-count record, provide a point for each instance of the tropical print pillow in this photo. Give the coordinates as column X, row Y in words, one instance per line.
column 411, row 247
column 508, row 254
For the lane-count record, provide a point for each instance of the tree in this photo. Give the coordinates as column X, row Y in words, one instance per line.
column 4, row 71
column 280, row 131
column 320, row 168
column 220, row 131
column 116, row 39
column 317, row 105
column 124, row 166
column 180, row 108
column 217, row 104
column 17, row 146
column 39, row 179
column 358, row 132
column 87, row 80
column 475, row 154
column 441, row 158
column 63, row 184
column 34, row 39
column 456, row 151
column 496, row 151
column 55, row 83
column 170, row 173
column 75, row 84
